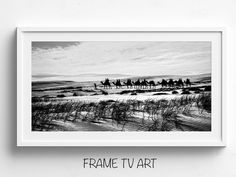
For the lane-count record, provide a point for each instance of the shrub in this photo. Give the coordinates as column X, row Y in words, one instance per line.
column 207, row 88
column 175, row 92
column 61, row 96
column 185, row 92
column 160, row 93
column 125, row 92
column 205, row 102
column 75, row 94
column 111, row 101
column 104, row 92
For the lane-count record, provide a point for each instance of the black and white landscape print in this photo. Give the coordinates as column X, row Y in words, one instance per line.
column 121, row 86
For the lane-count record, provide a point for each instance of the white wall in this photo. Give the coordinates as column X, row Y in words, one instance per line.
column 58, row 162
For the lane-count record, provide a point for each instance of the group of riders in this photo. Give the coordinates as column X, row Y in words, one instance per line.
column 144, row 84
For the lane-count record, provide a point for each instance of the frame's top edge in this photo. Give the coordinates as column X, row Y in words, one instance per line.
column 71, row 29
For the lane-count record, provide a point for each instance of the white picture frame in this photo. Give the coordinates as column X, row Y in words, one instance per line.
column 25, row 137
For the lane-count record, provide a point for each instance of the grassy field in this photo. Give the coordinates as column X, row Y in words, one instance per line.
column 79, row 106
column 185, row 113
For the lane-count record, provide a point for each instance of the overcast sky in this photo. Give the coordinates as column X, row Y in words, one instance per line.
column 130, row 58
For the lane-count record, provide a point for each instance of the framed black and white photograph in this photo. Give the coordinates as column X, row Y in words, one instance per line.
column 120, row 87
